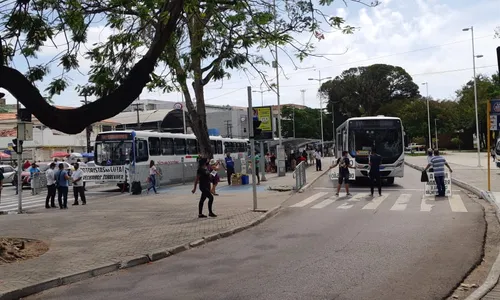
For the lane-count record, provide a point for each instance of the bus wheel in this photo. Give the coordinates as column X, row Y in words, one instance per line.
column 390, row 180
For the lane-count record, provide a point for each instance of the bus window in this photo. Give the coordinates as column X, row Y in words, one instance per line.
column 154, row 146
column 167, row 146
column 179, row 146
column 219, row 147
column 242, row 147
column 212, row 144
column 226, row 147
column 192, row 146
column 142, row 150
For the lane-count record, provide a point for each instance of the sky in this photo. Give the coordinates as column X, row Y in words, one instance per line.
column 424, row 37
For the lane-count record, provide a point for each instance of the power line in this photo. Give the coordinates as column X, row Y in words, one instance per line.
column 376, row 57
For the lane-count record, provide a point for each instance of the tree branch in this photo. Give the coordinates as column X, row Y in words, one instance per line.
column 73, row 121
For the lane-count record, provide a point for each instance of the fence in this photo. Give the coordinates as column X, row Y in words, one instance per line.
column 300, row 175
column 180, row 173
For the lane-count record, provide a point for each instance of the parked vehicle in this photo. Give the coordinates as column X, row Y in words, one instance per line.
column 415, row 147
column 43, row 166
column 8, row 173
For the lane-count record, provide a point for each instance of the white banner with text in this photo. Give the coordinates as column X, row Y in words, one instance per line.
column 431, row 186
column 104, row 173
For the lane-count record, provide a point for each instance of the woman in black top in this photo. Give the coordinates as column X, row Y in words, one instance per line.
column 203, row 178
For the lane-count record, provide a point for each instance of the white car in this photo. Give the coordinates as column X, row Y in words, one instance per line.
column 8, row 173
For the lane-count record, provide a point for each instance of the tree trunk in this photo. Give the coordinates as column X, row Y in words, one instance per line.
column 73, row 121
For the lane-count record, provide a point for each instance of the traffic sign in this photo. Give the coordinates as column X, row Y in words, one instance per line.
column 495, row 107
column 494, row 122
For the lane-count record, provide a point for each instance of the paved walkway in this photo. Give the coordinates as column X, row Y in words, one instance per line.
column 465, row 168
column 118, row 228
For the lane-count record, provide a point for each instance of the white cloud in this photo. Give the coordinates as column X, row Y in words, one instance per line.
column 397, row 33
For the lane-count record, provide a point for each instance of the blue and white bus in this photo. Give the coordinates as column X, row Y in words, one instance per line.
column 168, row 150
column 385, row 134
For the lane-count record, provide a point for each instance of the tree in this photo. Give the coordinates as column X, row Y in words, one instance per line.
column 307, row 122
column 362, row 91
column 208, row 38
column 487, row 88
column 27, row 25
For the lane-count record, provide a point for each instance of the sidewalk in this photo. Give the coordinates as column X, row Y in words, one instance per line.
column 464, row 166
column 119, row 231
column 465, row 169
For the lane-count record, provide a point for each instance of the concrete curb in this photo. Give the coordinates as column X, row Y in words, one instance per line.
column 135, row 261
column 494, row 274
column 305, row 187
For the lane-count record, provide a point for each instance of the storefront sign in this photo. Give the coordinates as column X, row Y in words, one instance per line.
column 104, row 173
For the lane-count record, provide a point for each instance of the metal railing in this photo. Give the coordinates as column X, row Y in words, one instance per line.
column 300, row 175
column 180, row 173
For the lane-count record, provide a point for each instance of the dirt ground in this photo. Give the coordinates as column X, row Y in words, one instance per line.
column 18, row 249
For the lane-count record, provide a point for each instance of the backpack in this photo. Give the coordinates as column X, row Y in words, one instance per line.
column 136, row 188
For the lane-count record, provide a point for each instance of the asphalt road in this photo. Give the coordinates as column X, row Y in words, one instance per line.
column 36, row 203
column 399, row 247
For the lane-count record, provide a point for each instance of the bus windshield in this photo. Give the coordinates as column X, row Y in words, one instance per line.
column 387, row 142
column 112, row 153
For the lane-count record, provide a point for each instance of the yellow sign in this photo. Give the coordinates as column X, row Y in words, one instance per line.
column 265, row 117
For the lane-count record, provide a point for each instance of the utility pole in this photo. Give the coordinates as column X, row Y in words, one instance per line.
column 137, row 110
column 276, row 65
column 85, row 94
column 320, row 79
column 229, row 128
column 261, row 94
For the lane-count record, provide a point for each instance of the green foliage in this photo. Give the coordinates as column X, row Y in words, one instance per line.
column 229, row 31
column 457, row 141
column 307, row 122
column 363, row 91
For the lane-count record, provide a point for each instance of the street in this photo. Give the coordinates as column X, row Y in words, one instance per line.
column 9, row 199
column 398, row 246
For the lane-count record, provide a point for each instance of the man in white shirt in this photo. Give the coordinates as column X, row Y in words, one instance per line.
column 317, row 155
column 51, row 187
column 77, row 179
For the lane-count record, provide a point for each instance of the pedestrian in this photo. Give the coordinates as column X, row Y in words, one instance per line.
column 34, row 178
column 51, row 186
column 438, row 162
column 203, row 179
column 229, row 167
column 61, row 177
column 78, row 189
column 152, row 176
column 15, row 181
column 344, row 164
column 1, row 181
column 374, row 174
column 317, row 155
column 214, row 176
column 493, row 154
column 257, row 165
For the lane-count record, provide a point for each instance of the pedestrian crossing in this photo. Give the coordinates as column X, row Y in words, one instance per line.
column 9, row 202
column 396, row 202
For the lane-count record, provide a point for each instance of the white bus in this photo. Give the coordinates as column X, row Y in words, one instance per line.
column 358, row 136
column 113, row 148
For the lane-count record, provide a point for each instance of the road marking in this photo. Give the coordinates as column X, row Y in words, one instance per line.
column 309, row 200
column 401, row 202
column 350, row 202
column 424, row 206
column 326, row 202
column 375, row 202
column 456, row 203
column 355, row 189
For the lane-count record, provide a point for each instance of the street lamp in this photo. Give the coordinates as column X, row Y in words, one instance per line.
column 436, row 133
column 428, row 114
column 262, row 94
column 319, row 79
column 474, row 56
